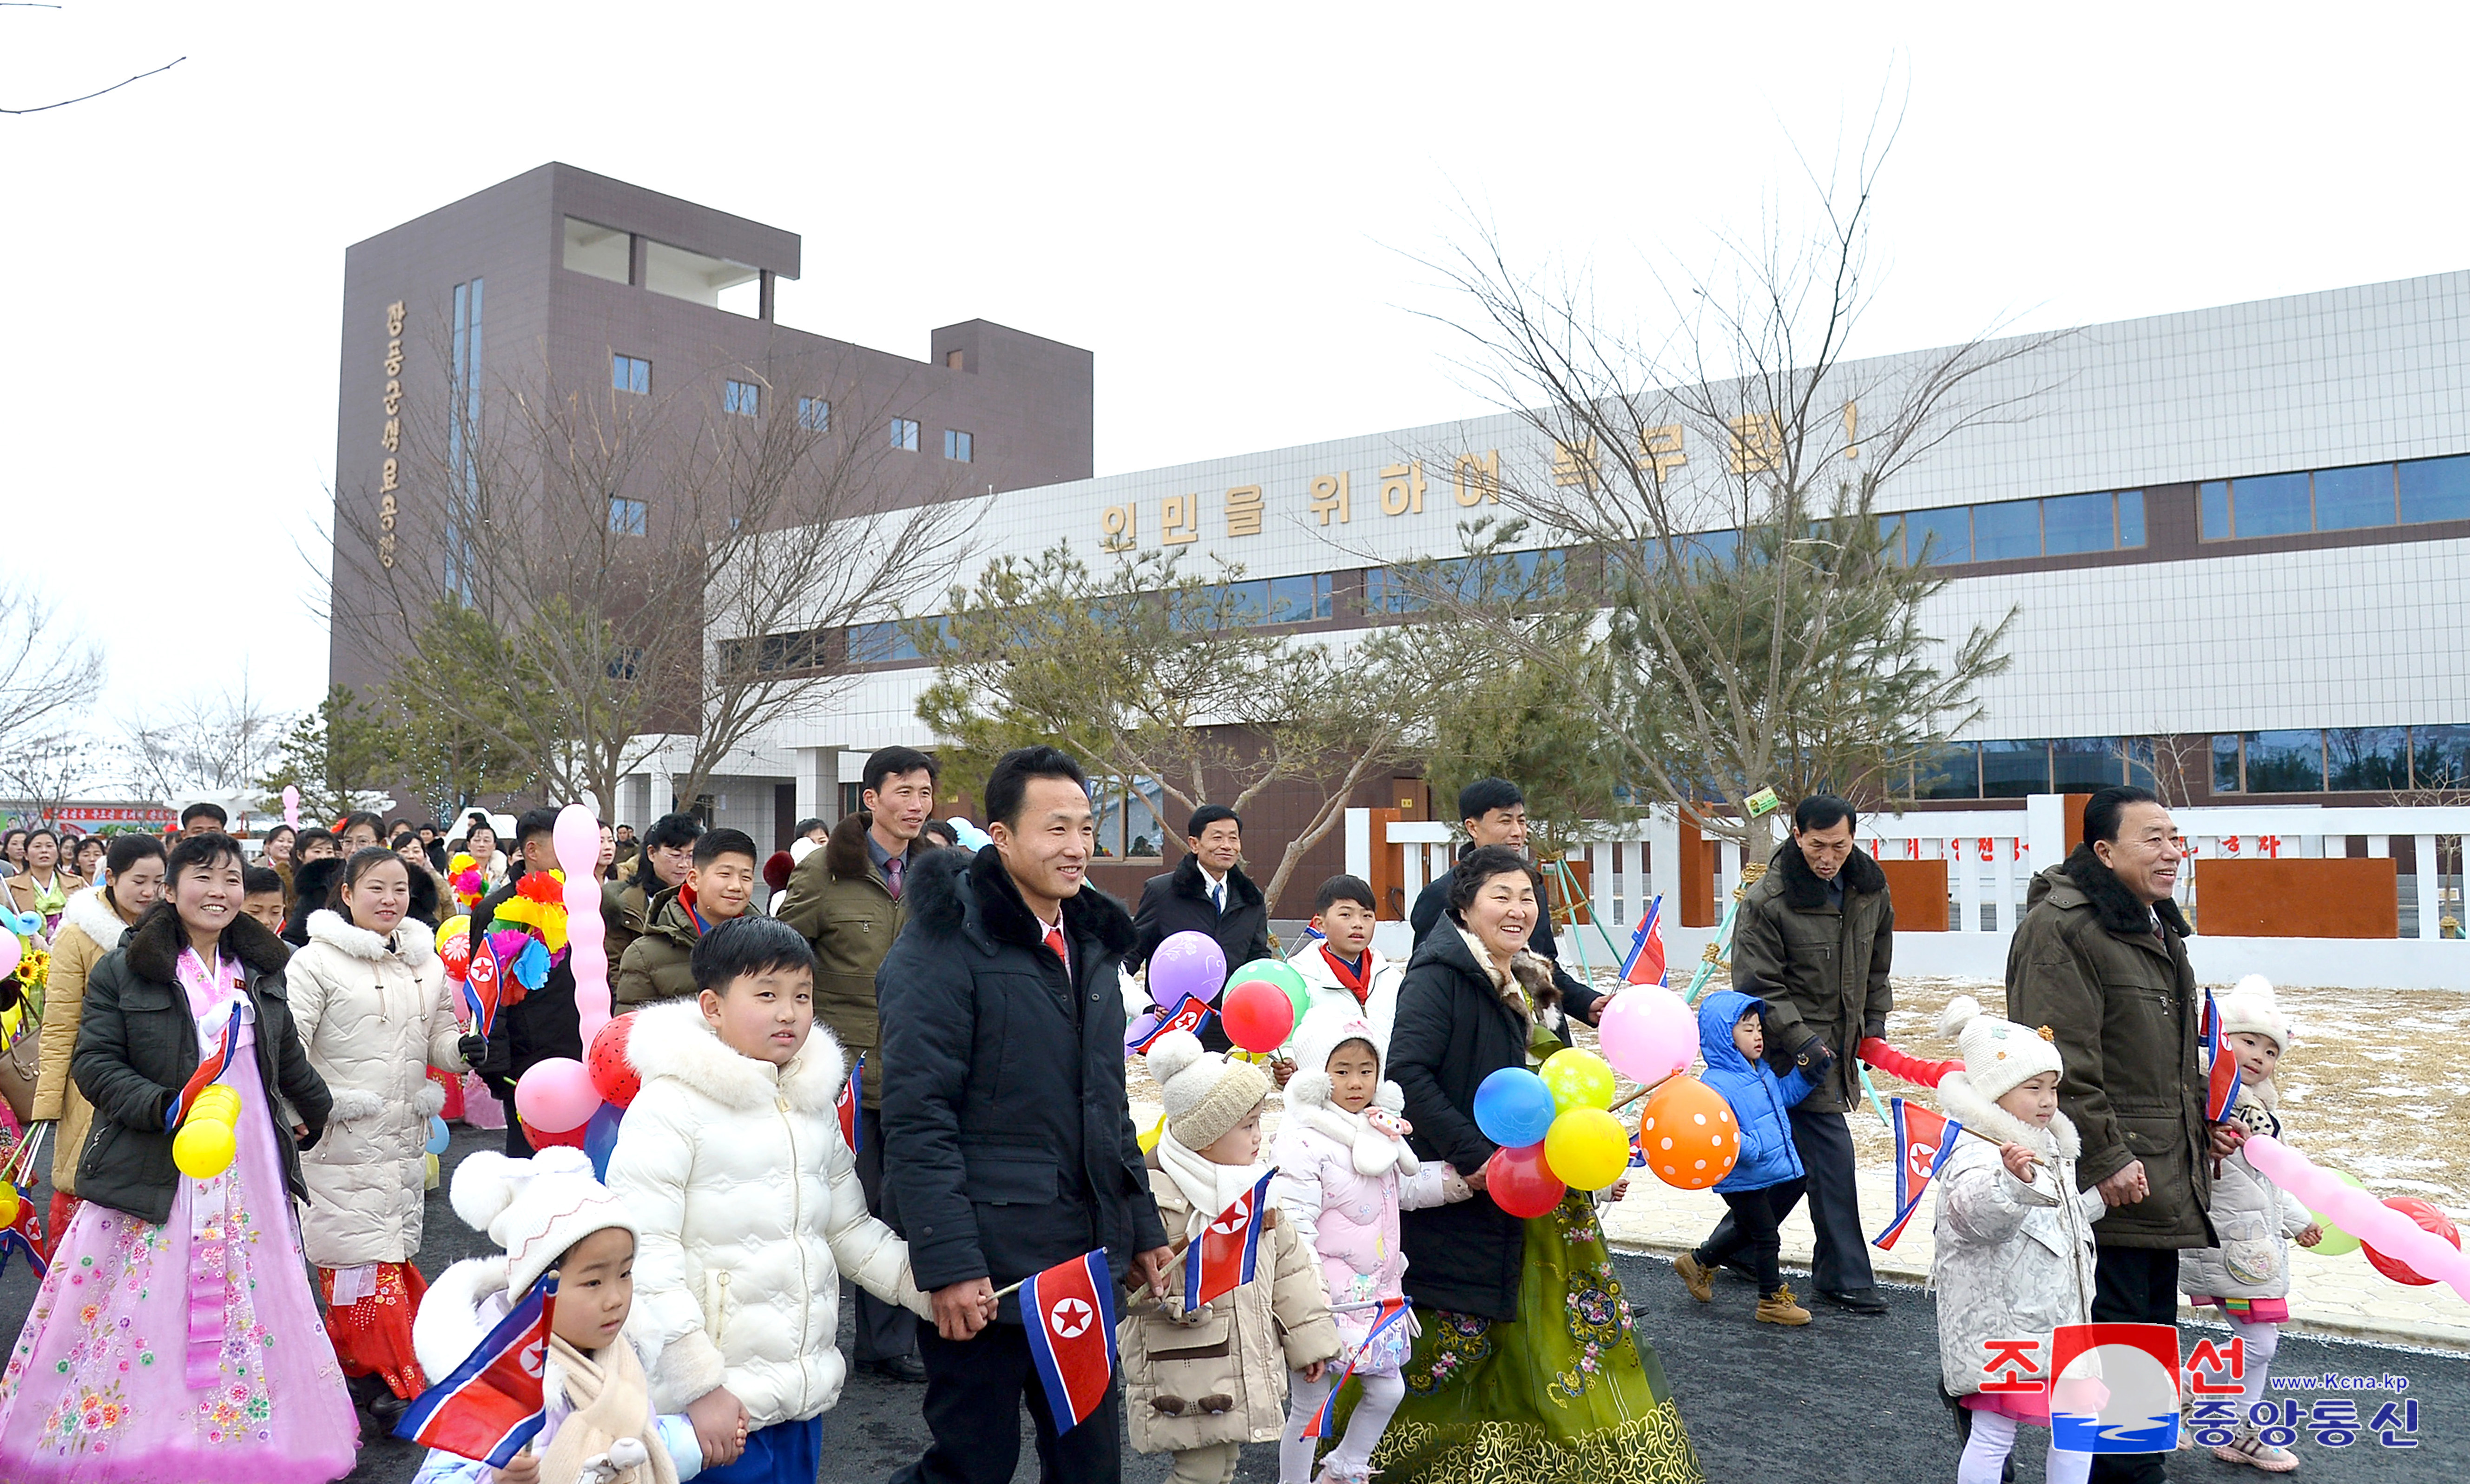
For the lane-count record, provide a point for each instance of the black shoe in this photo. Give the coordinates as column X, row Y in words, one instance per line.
column 1860, row 1301
column 1742, row 1270
column 389, row 1409
column 900, row 1368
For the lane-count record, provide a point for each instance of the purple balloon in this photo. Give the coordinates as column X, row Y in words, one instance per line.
column 1189, row 963
column 1142, row 1025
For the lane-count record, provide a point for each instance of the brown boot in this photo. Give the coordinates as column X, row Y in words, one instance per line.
column 1695, row 1277
column 1782, row 1309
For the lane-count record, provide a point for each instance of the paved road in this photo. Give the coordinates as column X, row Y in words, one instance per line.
column 1846, row 1401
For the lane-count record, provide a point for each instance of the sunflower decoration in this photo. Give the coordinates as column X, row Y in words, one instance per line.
column 21, row 992
column 463, row 876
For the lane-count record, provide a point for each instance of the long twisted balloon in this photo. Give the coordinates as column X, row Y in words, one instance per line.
column 578, row 855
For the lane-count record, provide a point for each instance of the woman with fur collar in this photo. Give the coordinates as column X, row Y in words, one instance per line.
column 369, row 996
column 2014, row 1257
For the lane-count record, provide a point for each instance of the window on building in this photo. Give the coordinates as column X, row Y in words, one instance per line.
column 814, row 414
column 2348, row 498
column 1299, row 599
column 2274, row 505
column 2007, row 530
column 898, row 639
column 1939, row 536
column 629, row 517
column 952, row 359
column 904, row 433
column 2440, row 756
column 2131, row 519
column 956, row 445
column 2140, row 772
column 603, row 252
column 630, row 374
column 1952, row 771
column 2213, row 500
column 2367, row 758
column 2285, row 762
column 2012, row 770
column 2226, row 764
column 2071, row 524
column 2078, row 765
column 741, row 398
column 2436, row 489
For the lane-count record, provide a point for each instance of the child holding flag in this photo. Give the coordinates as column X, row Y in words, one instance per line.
column 1765, row 1181
column 2014, row 1257
column 1201, row 1379
column 593, row 1397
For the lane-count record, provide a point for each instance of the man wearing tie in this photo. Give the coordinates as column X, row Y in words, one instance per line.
column 846, row 900
column 1207, row 893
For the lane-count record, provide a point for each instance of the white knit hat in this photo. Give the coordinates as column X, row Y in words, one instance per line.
column 1998, row 1053
column 2250, row 1008
column 1206, row 1095
column 534, row 1207
column 1325, row 1029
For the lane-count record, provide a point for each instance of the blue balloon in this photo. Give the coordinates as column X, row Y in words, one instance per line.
column 600, row 1137
column 437, row 1134
column 1514, row 1108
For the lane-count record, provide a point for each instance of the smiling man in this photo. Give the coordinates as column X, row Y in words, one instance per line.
column 1207, row 892
column 719, row 888
column 1008, row 1141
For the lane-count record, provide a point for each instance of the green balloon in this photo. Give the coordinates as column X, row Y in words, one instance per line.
column 1278, row 972
column 2337, row 1243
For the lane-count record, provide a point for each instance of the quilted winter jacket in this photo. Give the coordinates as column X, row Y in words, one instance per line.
column 1349, row 1219
column 374, row 1015
column 90, row 928
column 2014, row 1261
column 2254, row 1219
column 1759, row 1097
column 749, row 1212
column 1381, row 978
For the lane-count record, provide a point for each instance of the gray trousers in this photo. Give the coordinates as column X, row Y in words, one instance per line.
column 1841, row 1261
column 885, row 1332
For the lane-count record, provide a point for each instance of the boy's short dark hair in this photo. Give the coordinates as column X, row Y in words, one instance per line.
column 713, row 845
column 1007, row 786
column 893, row 762
column 941, row 831
column 258, row 880
column 809, row 824
column 203, row 810
column 1210, row 813
column 1343, row 889
column 1485, row 794
column 747, row 945
column 1822, row 811
column 539, row 821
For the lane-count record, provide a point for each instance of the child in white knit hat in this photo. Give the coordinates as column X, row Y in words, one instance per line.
column 549, row 1214
column 2247, row 1276
column 2014, row 1257
column 1202, row 1385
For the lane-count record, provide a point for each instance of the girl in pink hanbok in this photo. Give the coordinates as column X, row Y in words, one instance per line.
column 175, row 1338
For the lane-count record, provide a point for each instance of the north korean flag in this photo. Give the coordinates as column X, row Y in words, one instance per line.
column 1069, row 1313
column 25, row 1235
column 493, row 1403
column 1191, row 1015
column 1923, row 1141
column 1228, row 1252
column 2222, row 1078
column 208, row 1069
column 1644, row 965
column 480, row 980
column 846, row 1104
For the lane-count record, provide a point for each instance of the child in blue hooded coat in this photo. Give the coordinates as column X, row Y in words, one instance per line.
column 1765, row 1181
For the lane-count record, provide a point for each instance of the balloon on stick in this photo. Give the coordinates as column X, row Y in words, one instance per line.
column 1187, row 964
column 613, row 1071
column 2335, row 1242
column 292, row 805
column 578, row 855
column 2429, row 1219
column 10, row 952
column 1259, row 1016
column 2395, row 1235
column 555, row 1094
column 1513, row 1108
column 1688, row 1134
column 1588, row 1149
column 1649, row 1032
column 1579, row 1078
column 438, row 1135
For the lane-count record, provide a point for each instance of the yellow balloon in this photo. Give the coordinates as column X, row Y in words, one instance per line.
column 1580, row 1078
column 1587, row 1148
column 454, row 926
column 218, row 1103
column 203, row 1150
column 8, row 1203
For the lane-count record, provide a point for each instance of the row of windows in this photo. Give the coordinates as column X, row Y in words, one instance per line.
column 2014, row 770
column 2342, row 759
column 2011, row 530
column 2408, row 493
column 745, row 398
column 1303, row 598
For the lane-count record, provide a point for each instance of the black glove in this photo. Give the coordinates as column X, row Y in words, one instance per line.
column 1816, row 1059
column 474, row 1048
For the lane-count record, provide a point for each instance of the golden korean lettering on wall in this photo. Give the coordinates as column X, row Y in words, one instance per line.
column 1330, row 498
column 390, row 435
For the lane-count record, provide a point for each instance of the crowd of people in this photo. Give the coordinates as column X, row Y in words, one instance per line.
column 969, row 1006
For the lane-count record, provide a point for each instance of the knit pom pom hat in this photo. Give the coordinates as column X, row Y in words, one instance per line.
column 534, row 1207
column 1998, row 1053
column 1206, row 1095
column 2250, row 1008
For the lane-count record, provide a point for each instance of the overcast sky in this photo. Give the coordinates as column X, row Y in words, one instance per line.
column 1225, row 204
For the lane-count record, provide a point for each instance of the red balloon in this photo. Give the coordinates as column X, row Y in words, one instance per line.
column 613, row 1072
column 2429, row 1219
column 1258, row 1014
column 456, row 952
column 568, row 1138
column 1521, row 1182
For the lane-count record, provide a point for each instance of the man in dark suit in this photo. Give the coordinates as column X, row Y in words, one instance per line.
column 1207, row 893
column 1493, row 811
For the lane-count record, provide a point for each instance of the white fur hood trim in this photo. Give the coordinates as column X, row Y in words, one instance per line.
column 674, row 1040
column 1958, row 1101
column 463, row 1303
column 1370, row 1150
column 89, row 913
column 413, row 940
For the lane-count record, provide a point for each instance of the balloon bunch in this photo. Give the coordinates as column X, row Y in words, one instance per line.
column 1265, row 999
column 563, row 1100
column 2403, row 1237
column 1686, row 1132
column 207, row 1140
column 1555, row 1129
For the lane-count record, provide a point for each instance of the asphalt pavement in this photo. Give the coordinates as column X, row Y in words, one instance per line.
column 1846, row 1400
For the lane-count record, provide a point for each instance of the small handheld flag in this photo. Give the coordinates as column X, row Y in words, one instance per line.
column 208, row 1069
column 1923, row 1141
column 480, row 985
column 2222, row 1077
column 1069, row 1313
column 25, row 1234
column 1324, row 1421
column 1644, row 965
column 1190, row 1016
column 846, row 1105
column 492, row 1405
column 1228, row 1252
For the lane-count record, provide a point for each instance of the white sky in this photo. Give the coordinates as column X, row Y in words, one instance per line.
column 1223, row 205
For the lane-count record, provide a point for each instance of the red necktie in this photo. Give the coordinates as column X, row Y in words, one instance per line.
column 1055, row 940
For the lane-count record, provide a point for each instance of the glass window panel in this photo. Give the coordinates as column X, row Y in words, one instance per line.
column 2436, row 489
column 1891, row 536
column 2081, row 764
column 2272, row 505
column 2285, row 762
column 1714, row 547
column 2347, row 499
column 2130, row 517
column 2009, row 530
column 1299, row 599
column 2214, row 496
column 2078, row 522
column 2226, row 764
column 1939, row 536
column 2012, row 770
column 2440, row 756
column 2139, row 764
column 2367, row 758
column 1954, row 772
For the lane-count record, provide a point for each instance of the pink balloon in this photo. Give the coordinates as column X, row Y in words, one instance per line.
column 578, row 853
column 556, row 1096
column 291, row 806
column 11, row 950
column 1188, row 963
column 1647, row 1034
column 2360, row 1214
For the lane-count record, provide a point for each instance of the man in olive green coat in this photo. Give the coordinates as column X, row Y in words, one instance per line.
column 1814, row 939
column 2099, row 962
column 719, row 886
column 846, row 900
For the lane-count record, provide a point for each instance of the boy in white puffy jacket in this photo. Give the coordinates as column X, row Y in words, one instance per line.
column 732, row 1162
column 1342, row 970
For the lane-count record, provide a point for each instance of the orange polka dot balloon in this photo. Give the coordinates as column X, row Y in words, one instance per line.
column 1688, row 1134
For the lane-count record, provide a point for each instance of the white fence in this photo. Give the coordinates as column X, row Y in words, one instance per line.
column 1991, row 855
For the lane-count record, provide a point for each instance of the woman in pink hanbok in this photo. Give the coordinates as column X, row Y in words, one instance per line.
column 176, row 1338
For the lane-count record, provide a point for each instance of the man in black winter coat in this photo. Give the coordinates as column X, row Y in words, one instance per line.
column 1008, row 1139
column 1493, row 811
column 1207, row 893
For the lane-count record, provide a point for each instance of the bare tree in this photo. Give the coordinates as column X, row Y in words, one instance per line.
column 556, row 574
column 1763, row 625
column 207, row 744
column 46, row 770
column 49, row 674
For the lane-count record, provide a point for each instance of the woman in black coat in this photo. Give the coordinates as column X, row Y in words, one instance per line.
column 1525, row 1365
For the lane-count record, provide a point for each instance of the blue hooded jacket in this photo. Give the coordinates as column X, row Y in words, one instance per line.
column 1758, row 1095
